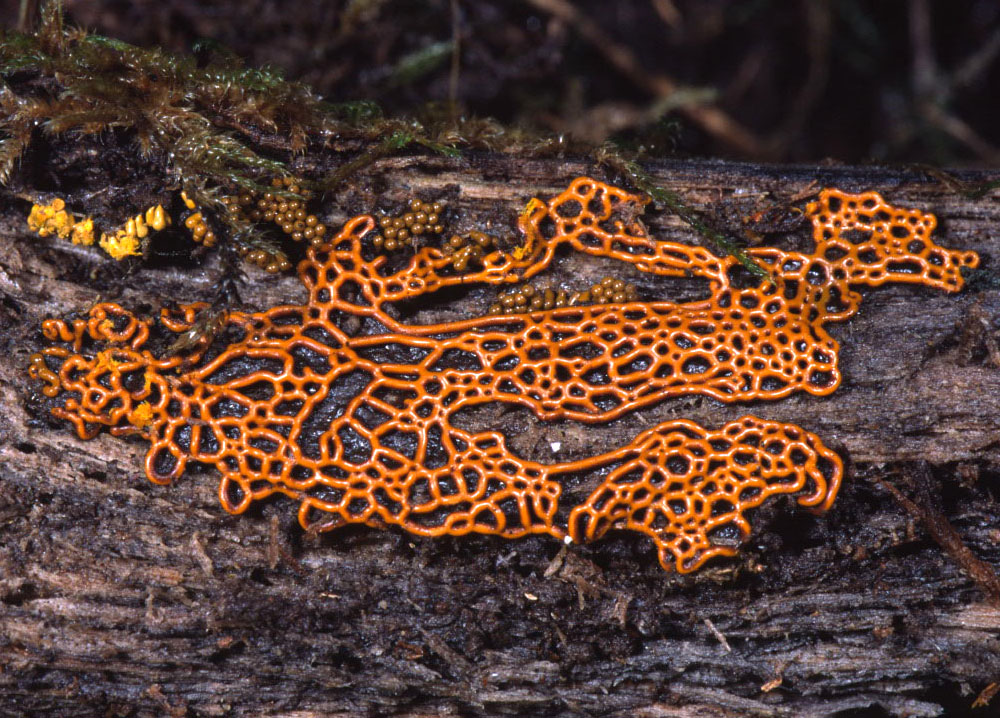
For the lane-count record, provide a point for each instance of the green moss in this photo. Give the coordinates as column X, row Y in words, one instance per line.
column 716, row 240
column 71, row 81
column 213, row 126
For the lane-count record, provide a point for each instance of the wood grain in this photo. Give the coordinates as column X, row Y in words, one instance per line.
column 118, row 597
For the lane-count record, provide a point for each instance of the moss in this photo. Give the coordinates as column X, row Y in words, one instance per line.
column 715, row 239
column 209, row 125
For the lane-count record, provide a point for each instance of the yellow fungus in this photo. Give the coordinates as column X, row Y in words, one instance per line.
column 157, row 218
column 120, row 245
column 53, row 218
column 83, row 232
column 533, row 205
column 105, row 360
column 37, row 220
column 141, row 416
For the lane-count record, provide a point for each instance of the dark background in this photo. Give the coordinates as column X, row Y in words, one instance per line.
column 809, row 80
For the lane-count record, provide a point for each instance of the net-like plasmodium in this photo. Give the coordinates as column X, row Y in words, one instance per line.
column 359, row 429
column 688, row 489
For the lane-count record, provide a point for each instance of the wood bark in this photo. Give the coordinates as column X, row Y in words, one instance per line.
column 119, row 597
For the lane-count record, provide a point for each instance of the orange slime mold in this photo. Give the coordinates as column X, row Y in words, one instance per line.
column 357, row 428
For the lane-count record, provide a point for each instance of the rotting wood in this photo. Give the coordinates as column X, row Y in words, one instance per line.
column 106, row 604
column 944, row 533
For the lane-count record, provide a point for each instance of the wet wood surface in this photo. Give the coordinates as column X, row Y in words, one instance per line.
column 118, row 597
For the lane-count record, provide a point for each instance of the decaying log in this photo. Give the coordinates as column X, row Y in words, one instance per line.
column 118, row 597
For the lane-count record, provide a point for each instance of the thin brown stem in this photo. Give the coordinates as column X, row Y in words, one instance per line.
column 945, row 535
column 453, row 73
column 709, row 118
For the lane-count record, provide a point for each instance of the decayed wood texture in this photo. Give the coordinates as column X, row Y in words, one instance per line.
column 118, row 597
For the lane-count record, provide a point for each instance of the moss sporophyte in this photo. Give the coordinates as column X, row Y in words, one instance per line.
column 357, row 427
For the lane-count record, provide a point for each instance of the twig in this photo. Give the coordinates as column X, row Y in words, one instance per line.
column 395, row 141
column 966, row 189
column 986, row 695
column 456, row 49
column 978, row 62
column 718, row 635
column 932, row 90
column 819, row 25
column 711, row 119
column 201, row 556
column 669, row 13
column 27, row 15
column 924, row 65
column 687, row 213
column 458, row 663
column 946, row 537
column 273, row 546
column 779, row 678
column 960, row 130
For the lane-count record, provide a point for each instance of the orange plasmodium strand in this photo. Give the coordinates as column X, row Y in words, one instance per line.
column 867, row 241
column 688, row 489
column 358, row 427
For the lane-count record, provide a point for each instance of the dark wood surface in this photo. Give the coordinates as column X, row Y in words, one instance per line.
column 118, row 597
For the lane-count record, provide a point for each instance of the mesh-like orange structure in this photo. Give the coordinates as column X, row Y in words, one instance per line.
column 688, row 488
column 357, row 426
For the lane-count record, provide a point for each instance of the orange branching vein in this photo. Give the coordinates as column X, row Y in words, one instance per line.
column 358, row 428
